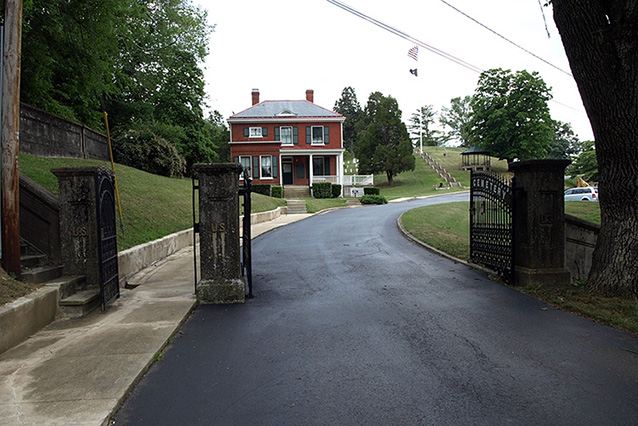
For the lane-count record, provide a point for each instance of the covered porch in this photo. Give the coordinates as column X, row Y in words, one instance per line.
column 302, row 168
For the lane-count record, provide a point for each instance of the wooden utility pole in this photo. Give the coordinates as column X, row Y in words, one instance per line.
column 10, row 136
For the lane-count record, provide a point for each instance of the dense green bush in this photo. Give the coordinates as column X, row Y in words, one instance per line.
column 336, row 191
column 322, row 190
column 277, row 191
column 145, row 147
column 371, row 190
column 262, row 189
column 373, row 199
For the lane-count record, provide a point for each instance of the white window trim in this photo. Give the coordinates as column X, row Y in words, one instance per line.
column 254, row 132
column 312, row 139
column 281, row 134
column 261, row 159
column 250, row 172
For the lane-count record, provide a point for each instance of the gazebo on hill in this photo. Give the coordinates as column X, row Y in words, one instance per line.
column 475, row 159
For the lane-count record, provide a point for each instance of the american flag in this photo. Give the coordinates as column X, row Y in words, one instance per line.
column 414, row 53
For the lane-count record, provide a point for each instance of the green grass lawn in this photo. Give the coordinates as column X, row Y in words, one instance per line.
column 152, row 206
column 446, row 227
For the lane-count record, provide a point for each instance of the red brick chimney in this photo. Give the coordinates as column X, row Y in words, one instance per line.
column 310, row 95
column 255, row 94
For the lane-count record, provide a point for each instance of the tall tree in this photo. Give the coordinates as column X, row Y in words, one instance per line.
column 384, row 146
column 566, row 144
column 510, row 116
column 420, row 127
column 69, row 51
column 601, row 43
column 457, row 118
column 349, row 107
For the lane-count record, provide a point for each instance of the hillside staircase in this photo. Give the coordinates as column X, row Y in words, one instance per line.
column 451, row 181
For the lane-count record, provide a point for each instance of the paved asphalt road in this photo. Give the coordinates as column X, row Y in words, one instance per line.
column 352, row 324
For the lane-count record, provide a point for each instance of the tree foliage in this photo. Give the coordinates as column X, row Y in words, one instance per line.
column 349, row 107
column 510, row 116
column 601, row 43
column 585, row 164
column 420, row 127
column 384, row 146
column 566, row 144
column 138, row 60
column 457, row 118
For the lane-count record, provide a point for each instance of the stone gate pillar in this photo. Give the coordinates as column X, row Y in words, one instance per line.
column 221, row 279
column 539, row 222
column 78, row 222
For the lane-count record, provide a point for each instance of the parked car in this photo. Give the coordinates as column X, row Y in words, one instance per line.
column 588, row 193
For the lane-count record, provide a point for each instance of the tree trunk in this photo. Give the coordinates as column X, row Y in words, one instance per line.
column 601, row 42
column 390, row 176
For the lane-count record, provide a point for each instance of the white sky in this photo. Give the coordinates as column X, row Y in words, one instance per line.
column 283, row 47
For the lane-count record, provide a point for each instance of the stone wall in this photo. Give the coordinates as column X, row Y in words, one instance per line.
column 47, row 135
column 580, row 240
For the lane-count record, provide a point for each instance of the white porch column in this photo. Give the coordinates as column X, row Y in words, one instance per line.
column 340, row 168
column 281, row 171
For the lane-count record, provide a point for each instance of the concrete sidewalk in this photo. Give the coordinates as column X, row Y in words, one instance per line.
column 78, row 371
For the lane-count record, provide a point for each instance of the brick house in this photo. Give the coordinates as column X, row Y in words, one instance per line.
column 288, row 143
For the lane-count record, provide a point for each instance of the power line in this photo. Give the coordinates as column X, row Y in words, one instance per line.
column 405, row 36
column 506, row 39
column 433, row 49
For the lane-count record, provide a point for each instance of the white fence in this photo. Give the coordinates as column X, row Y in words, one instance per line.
column 348, row 180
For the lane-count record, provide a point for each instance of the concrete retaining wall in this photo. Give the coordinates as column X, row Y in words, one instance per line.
column 47, row 135
column 580, row 241
column 26, row 315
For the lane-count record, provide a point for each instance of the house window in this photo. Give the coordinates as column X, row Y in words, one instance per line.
column 317, row 135
column 318, row 166
column 244, row 160
column 266, row 167
column 255, row 132
column 286, row 135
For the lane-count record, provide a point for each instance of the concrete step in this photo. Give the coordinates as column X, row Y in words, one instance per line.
column 32, row 260
column 80, row 304
column 296, row 192
column 68, row 284
column 42, row 274
column 296, row 207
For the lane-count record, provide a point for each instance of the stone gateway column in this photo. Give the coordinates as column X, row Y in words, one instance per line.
column 221, row 279
column 539, row 222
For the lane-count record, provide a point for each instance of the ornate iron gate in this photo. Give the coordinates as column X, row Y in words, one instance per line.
column 107, row 238
column 492, row 223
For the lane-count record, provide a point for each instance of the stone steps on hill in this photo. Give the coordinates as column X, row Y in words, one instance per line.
column 296, row 207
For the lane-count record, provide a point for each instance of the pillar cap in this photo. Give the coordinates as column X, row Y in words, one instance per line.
column 539, row 165
column 217, row 168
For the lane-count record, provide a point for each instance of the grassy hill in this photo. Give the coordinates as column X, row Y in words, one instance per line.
column 152, row 206
column 425, row 181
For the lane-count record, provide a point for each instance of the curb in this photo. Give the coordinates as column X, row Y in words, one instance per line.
column 436, row 251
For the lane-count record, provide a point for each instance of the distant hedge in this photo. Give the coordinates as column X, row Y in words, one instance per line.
column 371, row 190
column 322, row 190
column 373, row 199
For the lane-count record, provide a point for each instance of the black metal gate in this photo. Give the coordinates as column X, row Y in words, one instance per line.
column 107, row 238
column 246, row 258
column 492, row 223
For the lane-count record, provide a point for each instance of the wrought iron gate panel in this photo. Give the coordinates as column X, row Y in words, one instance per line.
column 107, row 238
column 246, row 252
column 492, row 223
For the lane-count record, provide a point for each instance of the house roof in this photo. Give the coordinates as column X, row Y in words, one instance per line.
column 475, row 150
column 286, row 110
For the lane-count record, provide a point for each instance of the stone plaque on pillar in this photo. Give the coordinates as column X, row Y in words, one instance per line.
column 539, row 224
column 221, row 279
column 78, row 222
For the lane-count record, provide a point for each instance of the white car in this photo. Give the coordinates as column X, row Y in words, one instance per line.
column 588, row 193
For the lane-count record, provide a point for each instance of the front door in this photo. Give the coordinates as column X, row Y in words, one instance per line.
column 287, row 172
